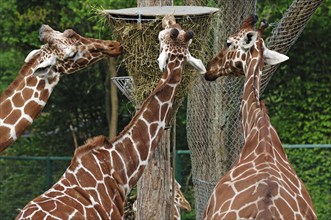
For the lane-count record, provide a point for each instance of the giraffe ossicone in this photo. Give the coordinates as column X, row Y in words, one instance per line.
column 262, row 184
column 63, row 53
column 103, row 172
column 167, row 35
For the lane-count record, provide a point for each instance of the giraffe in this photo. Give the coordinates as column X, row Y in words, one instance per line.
column 102, row 172
column 62, row 53
column 180, row 201
column 262, row 183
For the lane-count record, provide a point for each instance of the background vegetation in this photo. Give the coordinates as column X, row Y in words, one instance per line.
column 298, row 97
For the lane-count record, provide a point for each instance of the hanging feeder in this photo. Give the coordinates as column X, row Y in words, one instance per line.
column 137, row 29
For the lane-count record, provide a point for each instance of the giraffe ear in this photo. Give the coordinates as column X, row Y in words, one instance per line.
column 197, row 64
column 44, row 67
column 272, row 57
column 162, row 60
column 30, row 55
column 248, row 40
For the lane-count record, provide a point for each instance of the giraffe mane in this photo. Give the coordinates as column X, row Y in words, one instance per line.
column 260, row 64
column 91, row 144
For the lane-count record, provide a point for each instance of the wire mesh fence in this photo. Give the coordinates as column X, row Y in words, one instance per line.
column 213, row 117
column 24, row 178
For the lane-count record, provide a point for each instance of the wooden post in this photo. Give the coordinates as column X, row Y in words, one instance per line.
column 112, row 99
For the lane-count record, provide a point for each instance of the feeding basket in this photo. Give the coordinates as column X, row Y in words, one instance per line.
column 137, row 29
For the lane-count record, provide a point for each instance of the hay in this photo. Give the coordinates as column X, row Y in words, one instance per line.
column 141, row 45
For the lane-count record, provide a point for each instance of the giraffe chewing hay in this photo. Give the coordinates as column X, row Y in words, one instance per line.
column 103, row 172
column 62, row 53
column 262, row 184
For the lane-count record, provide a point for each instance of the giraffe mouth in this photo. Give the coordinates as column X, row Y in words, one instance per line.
column 114, row 49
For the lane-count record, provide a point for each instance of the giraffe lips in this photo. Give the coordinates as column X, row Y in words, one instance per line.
column 210, row 76
column 114, row 49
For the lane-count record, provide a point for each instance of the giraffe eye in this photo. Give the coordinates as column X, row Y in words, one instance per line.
column 228, row 43
column 72, row 55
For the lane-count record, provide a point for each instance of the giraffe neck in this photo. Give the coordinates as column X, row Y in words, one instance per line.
column 255, row 120
column 22, row 101
column 250, row 104
column 119, row 163
column 137, row 142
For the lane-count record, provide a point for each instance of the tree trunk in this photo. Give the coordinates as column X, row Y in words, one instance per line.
column 153, row 198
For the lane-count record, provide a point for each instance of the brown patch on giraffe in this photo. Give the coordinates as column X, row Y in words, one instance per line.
column 141, row 138
column 18, row 100
column 140, row 135
column 20, row 85
column 32, row 81
column 105, row 200
column 27, row 93
column 32, row 108
column 118, row 165
column 286, row 209
column 84, row 178
column 244, row 196
column 250, row 211
column 13, row 116
column 243, row 57
column 101, row 211
column 229, row 215
column 152, row 115
column 41, row 85
column 164, row 95
column 52, row 79
column 6, row 108
column 82, row 61
column 44, row 95
column 5, row 134
column 90, row 163
column 129, row 155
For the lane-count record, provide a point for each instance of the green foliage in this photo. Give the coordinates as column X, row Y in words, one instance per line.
column 298, row 97
column 313, row 166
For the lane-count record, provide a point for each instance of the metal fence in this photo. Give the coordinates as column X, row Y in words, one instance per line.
column 24, row 177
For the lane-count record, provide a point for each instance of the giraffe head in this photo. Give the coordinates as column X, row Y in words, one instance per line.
column 68, row 52
column 180, row 200
column 240, row 49
column 174, row 44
